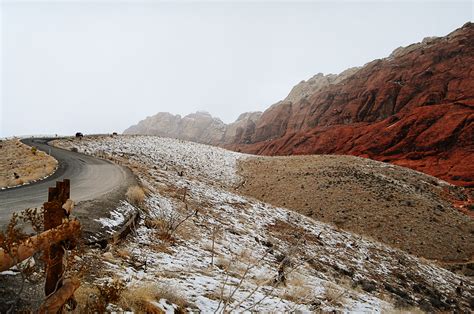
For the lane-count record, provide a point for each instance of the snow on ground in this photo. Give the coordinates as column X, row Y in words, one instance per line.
column 230, row 252
column 117, row 216
column 169, row 154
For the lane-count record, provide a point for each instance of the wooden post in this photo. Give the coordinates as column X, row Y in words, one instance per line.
column 53, row 217
column 54, row 303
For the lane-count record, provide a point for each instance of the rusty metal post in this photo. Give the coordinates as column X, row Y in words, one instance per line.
column 53, row 217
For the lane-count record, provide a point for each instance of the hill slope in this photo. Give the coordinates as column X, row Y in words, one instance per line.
column 394, row 205
column 234, row 253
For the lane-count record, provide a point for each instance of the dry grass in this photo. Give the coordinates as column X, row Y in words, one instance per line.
column 136, row 195
column 216, row 296
column 123, row 253
column 88, row 299
column 163, row 247
column 298, row 290
column 298, row 295
column 93, row 299
column 139, row 298
column 21, row 164
column 334, row 295
column 223, row 263
column 408, row 310
column 163, row 229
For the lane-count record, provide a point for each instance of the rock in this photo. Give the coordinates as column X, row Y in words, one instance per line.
column 108, row 256
column 317, row 83
column 242, row 129
column 367, row 285
column 199, row 127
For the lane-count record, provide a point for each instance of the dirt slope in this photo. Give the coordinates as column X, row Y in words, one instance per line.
column 19, row 164
column 397, row 206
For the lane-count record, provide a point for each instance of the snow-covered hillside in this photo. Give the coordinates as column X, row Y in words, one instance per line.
column 233, row 253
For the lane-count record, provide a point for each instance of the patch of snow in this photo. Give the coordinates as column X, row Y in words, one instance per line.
column 117, row 216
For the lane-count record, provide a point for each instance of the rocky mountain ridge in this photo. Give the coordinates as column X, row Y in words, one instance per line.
column 414, row 108
column 203, row 128
column 199, row 127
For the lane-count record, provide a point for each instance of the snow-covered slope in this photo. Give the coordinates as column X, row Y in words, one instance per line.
column 233, row 253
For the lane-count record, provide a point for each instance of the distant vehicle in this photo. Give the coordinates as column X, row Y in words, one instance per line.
column 79, row 134
column 114, row 134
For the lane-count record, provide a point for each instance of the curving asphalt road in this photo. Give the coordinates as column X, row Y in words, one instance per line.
column 90, row 178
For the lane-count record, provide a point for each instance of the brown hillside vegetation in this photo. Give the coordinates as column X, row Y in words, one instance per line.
column 397, row 206
column 20, row 164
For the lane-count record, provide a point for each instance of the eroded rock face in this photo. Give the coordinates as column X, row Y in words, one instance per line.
column 242, row 130
column 201, row 127
column 414, row 108
column 162, row 124
column 198, row 127
column 316, row 83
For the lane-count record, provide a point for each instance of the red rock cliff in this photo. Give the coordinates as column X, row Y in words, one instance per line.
column 414, row 108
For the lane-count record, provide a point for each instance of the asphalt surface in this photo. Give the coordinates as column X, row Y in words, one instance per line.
column 91, row 178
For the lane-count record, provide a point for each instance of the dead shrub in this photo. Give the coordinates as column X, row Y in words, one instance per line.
column 89, row 300
column 164, row 228
column 168, row 224
column 111, row 291
column 135, row 195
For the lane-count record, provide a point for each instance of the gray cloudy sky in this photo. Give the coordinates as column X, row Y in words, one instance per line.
column 101, row 66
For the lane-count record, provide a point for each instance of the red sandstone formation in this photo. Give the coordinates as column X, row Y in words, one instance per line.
column 414, row 108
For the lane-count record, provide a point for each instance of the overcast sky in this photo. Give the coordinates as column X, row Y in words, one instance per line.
column 101, row 66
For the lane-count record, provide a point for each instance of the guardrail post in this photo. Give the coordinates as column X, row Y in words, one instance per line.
column 53, row 217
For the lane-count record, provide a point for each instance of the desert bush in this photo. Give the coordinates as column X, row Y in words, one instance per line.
column 135, row 195
column 163, row 226
column 34, row 150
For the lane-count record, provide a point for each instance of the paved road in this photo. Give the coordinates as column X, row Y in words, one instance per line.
column 90, row 178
